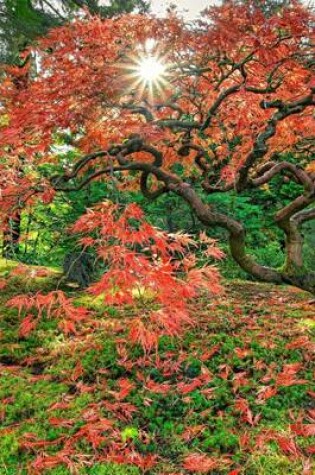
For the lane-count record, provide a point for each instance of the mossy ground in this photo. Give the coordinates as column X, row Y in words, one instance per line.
column 180, row 401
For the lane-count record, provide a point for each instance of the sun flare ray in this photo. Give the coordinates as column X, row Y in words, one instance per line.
column 147, row 73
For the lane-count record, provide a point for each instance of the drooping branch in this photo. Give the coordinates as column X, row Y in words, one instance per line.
column 297, row 205
column 58, row 183
column 273, row 169
column 237, row 241
column 121, row 154
column 303, row 216
column 83, row 162
column 209, row 217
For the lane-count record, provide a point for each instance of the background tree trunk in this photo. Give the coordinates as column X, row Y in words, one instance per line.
column 11, row 236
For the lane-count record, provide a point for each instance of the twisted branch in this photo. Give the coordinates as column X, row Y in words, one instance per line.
column 260, row 147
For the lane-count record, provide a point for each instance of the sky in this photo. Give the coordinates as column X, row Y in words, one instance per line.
column 190, row 8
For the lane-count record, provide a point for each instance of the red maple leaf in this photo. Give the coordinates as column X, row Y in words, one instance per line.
column 202, row 463
column 27, row 325
column 305, row 430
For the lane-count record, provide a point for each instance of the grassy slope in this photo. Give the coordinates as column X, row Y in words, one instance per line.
column 52, row 387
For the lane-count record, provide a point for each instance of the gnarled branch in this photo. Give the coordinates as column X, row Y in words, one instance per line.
column 260, row 147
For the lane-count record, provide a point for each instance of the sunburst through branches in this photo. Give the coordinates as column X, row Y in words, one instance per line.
column 148, row 72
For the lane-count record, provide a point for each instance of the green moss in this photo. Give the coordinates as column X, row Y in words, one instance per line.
column 113, row 469
column 6, row 265
column 29, row 398
column 28, row 389
column 98, row 469
column 9, row 447
column 129, row 433
column 273, row 464
column 92, row 303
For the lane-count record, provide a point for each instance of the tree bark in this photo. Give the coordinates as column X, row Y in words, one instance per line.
column 295, row 274
column 11, row 236
column 237, row 234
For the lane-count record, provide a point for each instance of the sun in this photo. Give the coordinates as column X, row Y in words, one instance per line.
column 147, row 72
column 151, row 70
column 149, row 76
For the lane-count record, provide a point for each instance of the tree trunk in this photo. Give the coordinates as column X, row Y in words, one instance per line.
column 294, row 258
column 11, row 236
column 210, row 217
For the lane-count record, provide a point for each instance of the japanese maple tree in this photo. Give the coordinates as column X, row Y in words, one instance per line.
column 195, row 110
